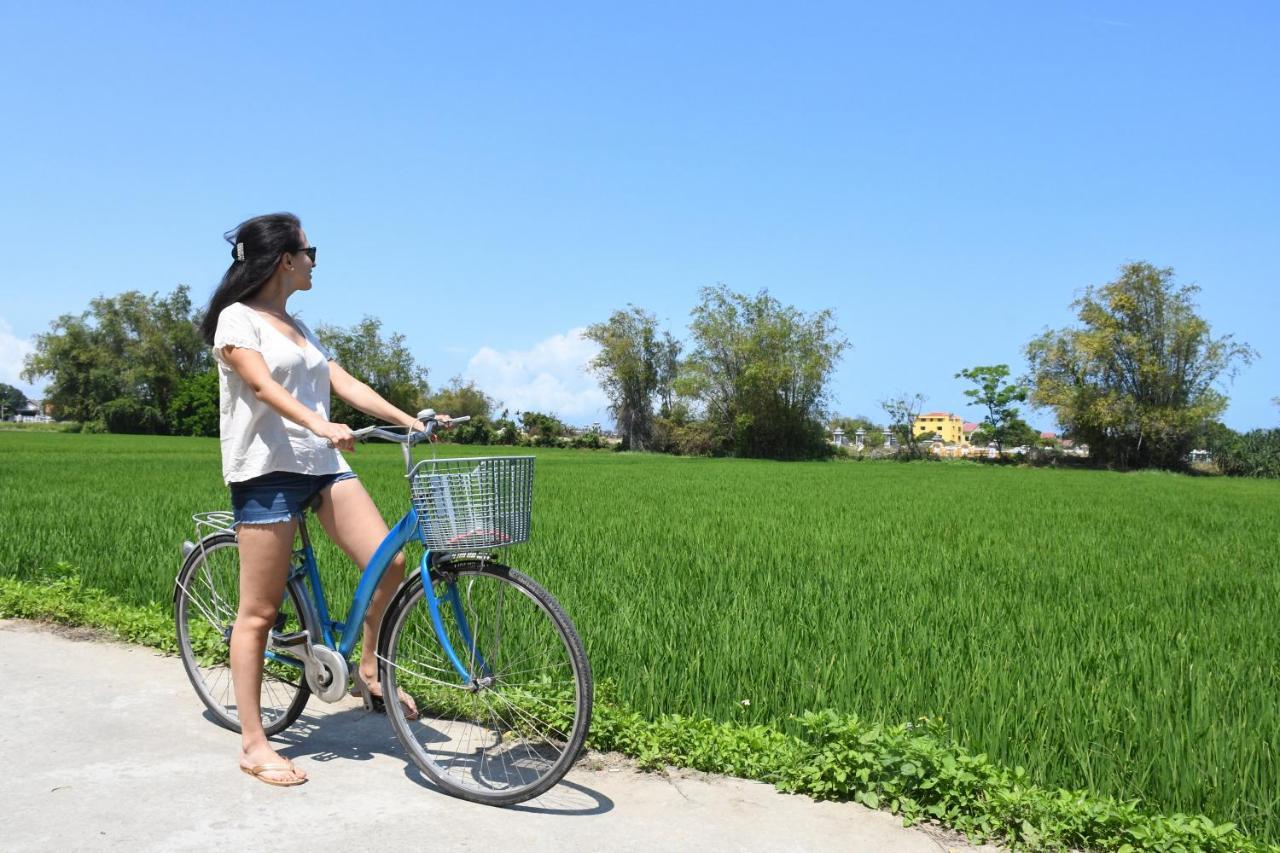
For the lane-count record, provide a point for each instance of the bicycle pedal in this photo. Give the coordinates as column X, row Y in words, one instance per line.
column 297, row 638
column 360, row 689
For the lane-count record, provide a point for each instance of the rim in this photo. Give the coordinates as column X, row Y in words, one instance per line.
column 206, row 614
column 516, row 728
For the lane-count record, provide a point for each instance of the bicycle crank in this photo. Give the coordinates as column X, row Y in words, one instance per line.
column 325, row 669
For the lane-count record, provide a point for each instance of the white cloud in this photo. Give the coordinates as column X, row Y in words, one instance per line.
column 13, row 350
column 551, row 377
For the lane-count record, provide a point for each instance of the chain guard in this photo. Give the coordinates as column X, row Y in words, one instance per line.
column 327, row 676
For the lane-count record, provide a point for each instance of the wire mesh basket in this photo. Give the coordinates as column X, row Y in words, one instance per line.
column 472, row 504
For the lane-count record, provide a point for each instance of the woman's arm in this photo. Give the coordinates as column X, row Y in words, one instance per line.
column 255, row 373
column 367, row 400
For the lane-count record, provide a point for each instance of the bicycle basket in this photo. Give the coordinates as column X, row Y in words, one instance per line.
column 472, row 504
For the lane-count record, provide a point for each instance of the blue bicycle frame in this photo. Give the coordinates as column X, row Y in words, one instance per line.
column 305, row 568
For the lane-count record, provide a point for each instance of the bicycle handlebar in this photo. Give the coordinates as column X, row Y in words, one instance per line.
column 409, row 437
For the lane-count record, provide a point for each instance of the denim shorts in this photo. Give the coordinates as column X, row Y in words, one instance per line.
column 278, row 496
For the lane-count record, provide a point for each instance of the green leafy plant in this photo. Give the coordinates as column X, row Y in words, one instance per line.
column 913, row 770
column 1144, row 596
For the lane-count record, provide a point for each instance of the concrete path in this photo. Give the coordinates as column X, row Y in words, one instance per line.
column 105, row 746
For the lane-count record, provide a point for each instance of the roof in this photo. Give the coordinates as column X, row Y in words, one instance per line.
column 1048, row 435
column 970, row 426
column 936, row 415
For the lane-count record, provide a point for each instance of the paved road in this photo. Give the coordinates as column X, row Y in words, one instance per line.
column 104, row 746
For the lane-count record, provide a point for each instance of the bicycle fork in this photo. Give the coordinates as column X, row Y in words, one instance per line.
column 479, row 675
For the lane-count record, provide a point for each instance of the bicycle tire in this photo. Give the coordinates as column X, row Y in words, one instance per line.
column 205, row 605
column 517, row 735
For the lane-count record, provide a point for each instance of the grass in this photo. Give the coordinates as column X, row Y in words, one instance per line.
column 915, row 770
column 1110, row 632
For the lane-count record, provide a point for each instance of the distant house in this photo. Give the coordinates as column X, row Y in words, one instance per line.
column 950, row 427
column 32, row 412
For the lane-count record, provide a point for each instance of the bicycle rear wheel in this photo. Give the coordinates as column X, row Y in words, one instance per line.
column 513, row 728
column 208, row 597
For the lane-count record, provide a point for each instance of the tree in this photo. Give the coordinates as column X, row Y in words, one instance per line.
column 194, row 408
column 634, row 364
column 760, row 370
column 668, row 370
column 131, row 351
column 1140, row 376
column 544, row 430
column 997, row 396
column 1016, row 433
column 903, row 411
column 385, row 365
column 11, row 400
column 504, row 431
column 462, row 399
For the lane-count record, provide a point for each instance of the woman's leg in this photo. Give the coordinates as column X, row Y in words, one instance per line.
column 264, row 568
column 355, row 525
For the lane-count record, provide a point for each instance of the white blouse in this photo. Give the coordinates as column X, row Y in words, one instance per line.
column 256, row 439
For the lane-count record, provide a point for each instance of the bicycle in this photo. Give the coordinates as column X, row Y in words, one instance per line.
column 499, row 675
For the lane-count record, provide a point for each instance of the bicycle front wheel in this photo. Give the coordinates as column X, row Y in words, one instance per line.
column 208, row 597
column 509, row 729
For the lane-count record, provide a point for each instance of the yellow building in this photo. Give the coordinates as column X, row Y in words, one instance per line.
column 947, row 425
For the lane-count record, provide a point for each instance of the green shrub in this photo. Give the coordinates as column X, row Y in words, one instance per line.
column 475, row 431
column 127, row 415
column 1251, row 454
column 685, row 437
column 505, row 432
column 587, row 441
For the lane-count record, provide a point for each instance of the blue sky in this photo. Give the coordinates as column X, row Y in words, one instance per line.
column 488, row 179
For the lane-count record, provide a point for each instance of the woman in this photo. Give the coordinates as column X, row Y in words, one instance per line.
column 279, row 449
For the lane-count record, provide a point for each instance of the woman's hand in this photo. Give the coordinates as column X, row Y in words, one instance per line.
column 338, row 435
column 443, row 420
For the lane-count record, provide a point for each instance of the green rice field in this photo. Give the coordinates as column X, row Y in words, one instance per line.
column 1116, row 632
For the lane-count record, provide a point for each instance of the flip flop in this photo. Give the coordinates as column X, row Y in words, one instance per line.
column 360, row 688
column 257, row 770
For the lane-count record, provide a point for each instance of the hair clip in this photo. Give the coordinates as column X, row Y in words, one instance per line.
column 239, row 251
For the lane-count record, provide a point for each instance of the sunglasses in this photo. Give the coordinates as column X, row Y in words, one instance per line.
column 310, row 252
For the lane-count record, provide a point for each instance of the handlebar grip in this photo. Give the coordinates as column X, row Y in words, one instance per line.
column 378, row 432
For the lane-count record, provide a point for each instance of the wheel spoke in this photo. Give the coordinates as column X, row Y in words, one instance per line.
column 208, row 600
column 514, row 731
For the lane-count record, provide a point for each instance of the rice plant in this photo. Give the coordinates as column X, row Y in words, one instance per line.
column 1116, row 632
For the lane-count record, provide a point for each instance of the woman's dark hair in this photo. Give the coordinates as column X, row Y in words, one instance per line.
column 256, row 247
